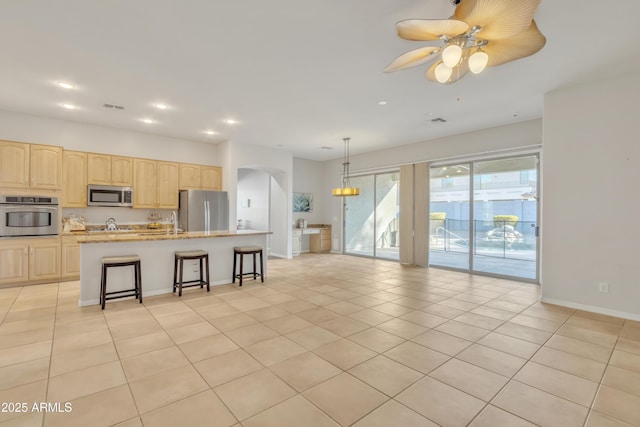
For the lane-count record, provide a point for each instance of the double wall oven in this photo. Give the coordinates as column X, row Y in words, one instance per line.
column 28, row 216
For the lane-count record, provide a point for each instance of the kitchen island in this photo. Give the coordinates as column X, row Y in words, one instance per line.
column 156, row 251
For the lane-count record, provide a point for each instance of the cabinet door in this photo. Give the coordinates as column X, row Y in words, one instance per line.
column 167, row 185
column 144, row 183
column 74, row 179
column 46, row 167
column 14, row 261
column 296, row 244
column 99, row 169
column 70, row 257
column 325, row 240
column 211, row 178
column 189, row 177
column 122, row 171
column 44, row 259
column 14, row 164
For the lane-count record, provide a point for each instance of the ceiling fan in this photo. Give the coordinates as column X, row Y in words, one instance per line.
column 481, row 33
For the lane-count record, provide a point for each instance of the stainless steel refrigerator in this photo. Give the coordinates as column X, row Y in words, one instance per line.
column 201, row 210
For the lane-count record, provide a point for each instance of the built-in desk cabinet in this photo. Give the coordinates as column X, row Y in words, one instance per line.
column 30, row 166
column 24, row 260
column 320, row 242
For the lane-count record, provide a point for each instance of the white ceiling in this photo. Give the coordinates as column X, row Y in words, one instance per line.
column 298, row 75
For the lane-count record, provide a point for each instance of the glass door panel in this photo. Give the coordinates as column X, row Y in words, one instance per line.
column 505, row 215
column 359, row 218
column 449, row 225
column 387, row 216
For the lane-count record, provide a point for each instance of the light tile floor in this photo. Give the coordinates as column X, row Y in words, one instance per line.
column 327, row 340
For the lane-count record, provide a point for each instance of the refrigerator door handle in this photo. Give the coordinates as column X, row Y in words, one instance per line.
column 207, row 217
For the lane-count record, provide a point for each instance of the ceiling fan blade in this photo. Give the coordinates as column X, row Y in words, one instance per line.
column 520, row 46
column 499, row 19
column 430, row 29
column 458, row 72
column 413, row 58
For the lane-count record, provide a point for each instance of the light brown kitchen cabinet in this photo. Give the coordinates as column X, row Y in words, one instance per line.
column 211, row 178
column 167, row 185
column 30, row 166
column 14, row 164
column 320, row 242
column 24, row 260
column 200, row 177
column 70, row 257
column 45, row 167
column 122, row 171
column 155, row 184
column 74, row 179
column 110, row 170
column 189, row 177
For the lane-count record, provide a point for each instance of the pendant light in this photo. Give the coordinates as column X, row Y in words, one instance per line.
column 346, row 189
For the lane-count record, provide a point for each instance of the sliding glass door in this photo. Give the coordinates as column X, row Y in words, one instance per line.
column 371, row 225
column 449, row 226
column 483, row 216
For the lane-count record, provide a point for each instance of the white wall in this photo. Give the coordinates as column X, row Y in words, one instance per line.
column 590, row 177
column 99, row 139
column 279, row 165
column 493, row 140
column 253, row 198
column 308, row 178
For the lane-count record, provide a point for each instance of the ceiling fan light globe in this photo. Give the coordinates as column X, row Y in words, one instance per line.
column 478, row 61
column 443, row 73
column 451, row 55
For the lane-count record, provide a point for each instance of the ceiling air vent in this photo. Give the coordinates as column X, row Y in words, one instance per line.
column 438, row 120
column 113, row 106
column 326, row 148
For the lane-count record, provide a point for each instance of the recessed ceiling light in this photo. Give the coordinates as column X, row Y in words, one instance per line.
column 209, row 132
column 382, row 103
column 230, row 121
column 147, row 121
column 69, row 106
column 65, row 85
column 162, row 106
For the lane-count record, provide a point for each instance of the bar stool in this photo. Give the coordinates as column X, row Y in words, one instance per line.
column 121, row 261
column 180, row 256
column 246, row 250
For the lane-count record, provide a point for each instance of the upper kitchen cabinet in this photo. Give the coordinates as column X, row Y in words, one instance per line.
column 199, row 177
column 30, row 166
column 189, row 176
column 211, row 178
column 155, row 184
column 110, row 170
column 74, row 179
column 46, row 167
column 14, row 162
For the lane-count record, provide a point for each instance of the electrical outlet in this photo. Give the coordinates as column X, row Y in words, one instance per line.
column 603, row 287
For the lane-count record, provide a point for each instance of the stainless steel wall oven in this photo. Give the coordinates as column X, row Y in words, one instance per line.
column 28, row 216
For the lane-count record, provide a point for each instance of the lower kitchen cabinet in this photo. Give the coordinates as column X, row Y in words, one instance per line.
column 24, row 260
column 70, row 258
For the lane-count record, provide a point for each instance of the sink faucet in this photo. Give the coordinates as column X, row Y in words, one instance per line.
column 174, row 221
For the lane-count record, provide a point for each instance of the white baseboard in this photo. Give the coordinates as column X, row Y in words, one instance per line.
column 591, row 308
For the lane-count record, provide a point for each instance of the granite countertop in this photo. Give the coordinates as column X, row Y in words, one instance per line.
column 136, row 236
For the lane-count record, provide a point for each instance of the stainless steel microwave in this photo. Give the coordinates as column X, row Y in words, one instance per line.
column 107, row 195
column 28, row 216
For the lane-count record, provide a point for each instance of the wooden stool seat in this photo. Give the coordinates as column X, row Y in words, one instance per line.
column 121, row 261
column 178, row 264
column 241, row 251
